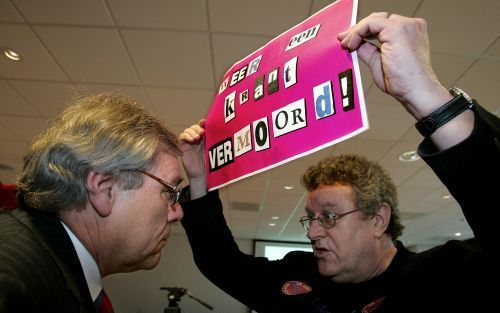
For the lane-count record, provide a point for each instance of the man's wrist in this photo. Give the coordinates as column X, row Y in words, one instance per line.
column 459, row 102
column 197, row 187
column 426, row 100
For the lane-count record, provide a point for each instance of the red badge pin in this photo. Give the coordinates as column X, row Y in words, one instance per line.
column 370, row 307
column 295, row 287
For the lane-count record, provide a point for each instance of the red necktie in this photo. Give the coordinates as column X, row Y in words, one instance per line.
column 102, row 303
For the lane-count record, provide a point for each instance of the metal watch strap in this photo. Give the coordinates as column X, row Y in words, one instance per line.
column 445, row 113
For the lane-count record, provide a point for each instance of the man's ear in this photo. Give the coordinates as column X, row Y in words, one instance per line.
column 382, row 218
column 102, row 192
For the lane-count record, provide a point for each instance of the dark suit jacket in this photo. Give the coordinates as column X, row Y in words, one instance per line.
column 39, row 268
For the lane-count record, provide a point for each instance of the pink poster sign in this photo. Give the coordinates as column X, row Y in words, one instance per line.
column 299, row 93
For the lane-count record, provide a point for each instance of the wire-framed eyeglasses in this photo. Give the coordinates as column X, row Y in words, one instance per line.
column 174, row 191
column 326, row 219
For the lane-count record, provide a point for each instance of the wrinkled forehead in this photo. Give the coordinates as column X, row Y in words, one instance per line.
column 166, row 166
column 320, row 208
column 330, row 197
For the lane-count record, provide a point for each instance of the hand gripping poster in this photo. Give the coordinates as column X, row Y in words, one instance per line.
column 299, row 93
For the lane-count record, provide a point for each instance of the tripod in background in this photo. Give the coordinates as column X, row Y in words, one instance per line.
column 174, row 296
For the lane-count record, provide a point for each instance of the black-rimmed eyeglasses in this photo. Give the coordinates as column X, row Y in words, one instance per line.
column 326, row 219
column 174, row 191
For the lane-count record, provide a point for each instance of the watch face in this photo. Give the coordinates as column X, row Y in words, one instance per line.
column 456, row 92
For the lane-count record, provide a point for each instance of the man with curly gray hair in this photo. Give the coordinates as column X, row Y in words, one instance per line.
column 97, row 193
column 351, row 216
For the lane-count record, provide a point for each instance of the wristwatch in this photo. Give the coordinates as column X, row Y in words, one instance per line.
column 460, row 102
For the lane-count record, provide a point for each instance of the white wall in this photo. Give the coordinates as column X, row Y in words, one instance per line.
column 140, row 291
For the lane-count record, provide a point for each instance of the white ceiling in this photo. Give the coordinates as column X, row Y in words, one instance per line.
column 170, row 55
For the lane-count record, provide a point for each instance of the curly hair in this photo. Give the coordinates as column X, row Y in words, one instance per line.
column 371, row 183
column 108, row 133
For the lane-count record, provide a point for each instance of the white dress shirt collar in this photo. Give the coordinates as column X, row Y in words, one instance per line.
column 89, row 266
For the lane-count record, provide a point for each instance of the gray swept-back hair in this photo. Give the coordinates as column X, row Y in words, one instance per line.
column 108, row 133
column 371, row 183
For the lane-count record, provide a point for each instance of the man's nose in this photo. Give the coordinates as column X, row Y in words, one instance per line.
column 315, row 230
column 175, row 213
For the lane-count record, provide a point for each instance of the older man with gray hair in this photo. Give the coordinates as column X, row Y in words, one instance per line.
column 97, row 193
